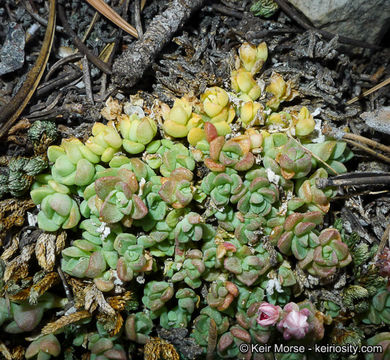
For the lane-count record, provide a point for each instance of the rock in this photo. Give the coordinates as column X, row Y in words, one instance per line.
column 378, row 120
column 366, row 20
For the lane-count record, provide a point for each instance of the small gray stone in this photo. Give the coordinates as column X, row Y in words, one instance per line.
column 365, row 20
column 12, row 52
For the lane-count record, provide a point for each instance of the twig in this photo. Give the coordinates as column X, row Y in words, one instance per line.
column 130, row 66
column 38, row 18
column 367, row 141
column 80, row 45
column 369, row 91
column 58, row 82
column 15, row 107
column 384, row 240
column 354, row 179
column 60, row 63
column 87, row 80
column 68, row 292
column 293, row 14
column 368, row 150
column 137, row 18
column 90, row 26
column 227, row 11
column 143, row 3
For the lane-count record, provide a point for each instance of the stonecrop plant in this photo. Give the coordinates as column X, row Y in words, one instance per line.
column 212, row 219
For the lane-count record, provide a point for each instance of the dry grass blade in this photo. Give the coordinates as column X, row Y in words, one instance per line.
column 111, row 15
column 4, row 351
column 64, row 321
column 11, row 111
column 143, row 3
column 369, row 91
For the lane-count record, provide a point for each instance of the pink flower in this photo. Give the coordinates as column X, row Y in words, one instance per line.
column 268, row 314
column 294, row 322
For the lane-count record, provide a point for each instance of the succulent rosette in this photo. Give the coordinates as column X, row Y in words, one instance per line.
column 105, row 141
column 328, row 256
column 191, row 269
column 44, row 348
column 74, row 163
column 261, row 194
column 231, row 153
column 253, row 57
column 221, row 294
column 298, row 237
column 156, row 294
column 58, row 208
column 193, row 227
column 136, row 132
column 281, row 91
column 217, row 107
column 379, row 312
column 224, row 188
column 249, row 228
column 177, row 190
column 294, row 160
column 138, row 326
column 120, row 201
column 382, row 339
column 229, row 343
column 334, row 153
column 202, row 325
column 243, row 83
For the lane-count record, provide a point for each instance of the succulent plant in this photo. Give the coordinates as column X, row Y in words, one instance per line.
column 281, row 91
column 217, row 107
column 136, row 132
column 58, row 209
column 105, row 141
column 224, row 188
column 221, row 294
column 246, row 266
column 249, row 228
column 103, row 347
column 298, row 237
column 244, row 84
column 334, row 153
column 304, row 123
column 261, row 194
column 119, row 199
column 253, row 57
column 382, row 339
column 138, row 326
column 74, row 163
column 191, row 269
column 193, row 227
column 251, row 113
column 42, row 132
column 231, row 153
column 156, row 294
column 229, row 343
column 202, row 325
column 180, row 119
column 181, row 314
column 22, row 317
column 379, row 311
column 293, row 160
column 266, row 9
column 315, row 199
column 44, row 348
column 133, row 258
column 176, row 190
column 331, row 254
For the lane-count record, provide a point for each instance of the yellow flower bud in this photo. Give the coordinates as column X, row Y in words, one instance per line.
column 252, row 57
column 305, row 124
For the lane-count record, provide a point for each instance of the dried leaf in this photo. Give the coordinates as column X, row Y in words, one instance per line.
column 42, row 286
column 5, row 352
column 18, row 268
column 18, row 353
column 45, row 249
column 9, row 251
column 93, row 298
column 212, row 341
column 60, row 242
column 157, row 348
column 119, row 302
column 64, row 321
